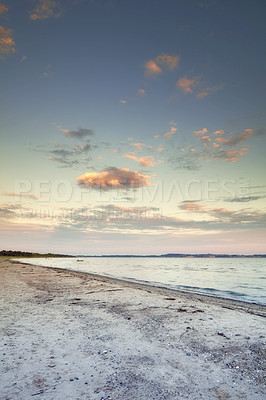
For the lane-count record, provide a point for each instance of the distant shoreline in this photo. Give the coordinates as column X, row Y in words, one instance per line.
column 13, row 253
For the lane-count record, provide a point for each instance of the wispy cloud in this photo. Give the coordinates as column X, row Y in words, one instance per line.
column 114, row 178
column 9, row 211
column 160, row 148
column 156, row 65
column 64, row 158
column 116, row 211
column 116, row 219
column 46, row 9
column 170, row 62
column 201, row 131
column 136, row 220
column 216, row 145
column 138, row 146
column 47, row 73
column 194, row 85
column 182, row 159
column 224, row 214
column 7, row 43
column 170, row 133
column 216, row 139
column 3, row 8
column 141, row 92
column 147, row 161
column 67, row 156
column 230, row 155
column 237, row 138
column 187, row 85
column 192, row 206
column 244, row 199
column 220, row 132
column 25, row 195
column 80, row 133
column 209, row 90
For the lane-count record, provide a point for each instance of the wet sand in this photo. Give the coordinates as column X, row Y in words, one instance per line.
column 70, row 335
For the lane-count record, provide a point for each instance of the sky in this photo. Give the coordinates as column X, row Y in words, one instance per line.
column 133, row 127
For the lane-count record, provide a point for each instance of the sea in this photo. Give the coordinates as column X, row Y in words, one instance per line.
column 232, row 278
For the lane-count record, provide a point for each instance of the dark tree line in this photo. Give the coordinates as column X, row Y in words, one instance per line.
column 16, row 253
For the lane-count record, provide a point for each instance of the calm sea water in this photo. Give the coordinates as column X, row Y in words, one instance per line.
column 240, row 279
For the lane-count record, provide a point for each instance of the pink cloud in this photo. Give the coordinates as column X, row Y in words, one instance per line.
column 114, row 178
column 214, row 151
column 7, row 43
column 187, row 85
column 221, row 212
column 170, row 62
column 202, row 95
column 234, row 155
column 209, row 90
column 155, row 66
column 219, row 132
column 171, row 132
column 236, row 139
column 201, row 132
column 3, row 8
column 147, row 161
column 141, row 92
column 152, row 69
column 192, row 206
column 138, row 146
column 205, row 140
column 45, row 9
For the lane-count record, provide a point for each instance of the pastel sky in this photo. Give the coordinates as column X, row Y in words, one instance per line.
column 133, row 127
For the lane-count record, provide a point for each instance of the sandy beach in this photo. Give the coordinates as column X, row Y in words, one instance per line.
column 68, row 335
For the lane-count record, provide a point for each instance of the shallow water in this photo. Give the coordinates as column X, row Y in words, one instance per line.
column 234, row 278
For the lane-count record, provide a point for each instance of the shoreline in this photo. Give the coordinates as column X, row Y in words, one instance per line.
column 253, row 308
column 71, row 335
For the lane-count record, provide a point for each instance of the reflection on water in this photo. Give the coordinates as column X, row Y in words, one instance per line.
column 240, row 278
